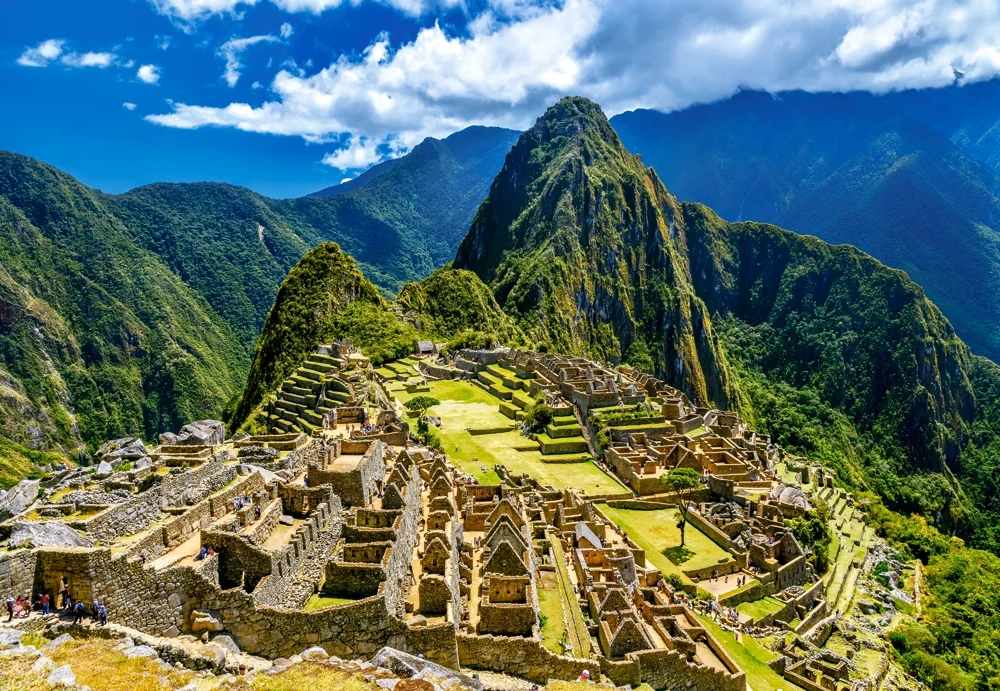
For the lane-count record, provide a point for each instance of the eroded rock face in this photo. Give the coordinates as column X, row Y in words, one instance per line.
column 201, row 433
column 205, row 621
column 47, row 534
column 19, row 498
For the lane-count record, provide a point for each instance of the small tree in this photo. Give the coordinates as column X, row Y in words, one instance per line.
column 538, row 416
column 678, row 480
column 421, row 404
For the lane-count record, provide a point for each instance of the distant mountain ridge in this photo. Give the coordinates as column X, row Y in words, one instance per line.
column 848, row 170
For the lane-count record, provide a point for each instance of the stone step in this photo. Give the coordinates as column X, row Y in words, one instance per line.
column 298, row 399
column 309, row 385
column 285, row 404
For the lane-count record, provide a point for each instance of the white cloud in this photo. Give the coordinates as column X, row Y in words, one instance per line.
column 100, row 60
column 286, row 30
column 150, row 74
column 42, row 54
column 48, row 51
column 519, row 56
column 162, row 42
column 231, row 50
column 128, row 106
column 345, row 180
column 256, row 85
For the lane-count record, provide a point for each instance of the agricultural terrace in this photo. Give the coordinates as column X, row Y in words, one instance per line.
column 466, row 406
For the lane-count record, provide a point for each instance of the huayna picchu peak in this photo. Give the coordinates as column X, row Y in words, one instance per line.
column 617, row 440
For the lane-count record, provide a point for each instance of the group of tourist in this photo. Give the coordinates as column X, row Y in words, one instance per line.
column 21, row 606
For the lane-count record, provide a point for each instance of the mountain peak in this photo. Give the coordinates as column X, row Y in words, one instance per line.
column 571, row 222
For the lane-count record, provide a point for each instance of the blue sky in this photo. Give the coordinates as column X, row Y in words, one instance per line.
column 289, row 96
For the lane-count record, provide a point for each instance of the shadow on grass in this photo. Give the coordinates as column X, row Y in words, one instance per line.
column 678, row 555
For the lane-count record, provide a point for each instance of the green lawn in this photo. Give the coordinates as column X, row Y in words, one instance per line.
column 751, row 657
column 550, row 604
column 465, row 405
column 318, row 601
column 656, row 531
column 761, row 608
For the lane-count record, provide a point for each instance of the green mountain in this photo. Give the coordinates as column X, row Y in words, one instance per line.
column 135, row 313
column 326, row 298
column 836, row 354
column 585, row 246
column 98, row 337
column 848, row 170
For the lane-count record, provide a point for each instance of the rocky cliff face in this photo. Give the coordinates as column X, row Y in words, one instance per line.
column 583, row 245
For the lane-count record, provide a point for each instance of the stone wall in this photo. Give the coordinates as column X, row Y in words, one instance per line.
column 264, row 527
column 17, row 573
column 669, row 669
column 522, row 657
column 182, row 489
column 356, row 487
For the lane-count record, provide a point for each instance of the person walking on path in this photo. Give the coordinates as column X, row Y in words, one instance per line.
column 78, row 612
column 10, row 609
column 45, row 603
column 103, row 612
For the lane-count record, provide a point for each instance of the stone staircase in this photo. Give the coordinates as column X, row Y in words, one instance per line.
column 313, row 390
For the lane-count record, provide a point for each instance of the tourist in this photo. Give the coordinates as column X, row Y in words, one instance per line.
column 103, row 614
column 211, row 552
column 256, row 510
column 585, row 675
column 202, row 554
column 78, row 612
column 44, row 601
column 10, row 609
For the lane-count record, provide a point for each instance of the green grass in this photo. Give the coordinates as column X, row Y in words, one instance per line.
column 751, row 657
column 550, row 605
column 656, row 531
column 318, row 601
column 578, row 638
column 464, row 405
column 18, row 462
column 761, row 608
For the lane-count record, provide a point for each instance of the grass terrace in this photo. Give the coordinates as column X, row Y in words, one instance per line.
column 319, row 601
column 466, row 406
column 752, row 658
column 761, row 608
column 657, row 533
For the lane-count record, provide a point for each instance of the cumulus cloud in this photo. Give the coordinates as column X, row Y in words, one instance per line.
column 100, row 60
column 128, row 106
column 150, row 74
column 234, row 47
column 53, row 49
column 286, row 30
column 518, row 56
column 42, row 54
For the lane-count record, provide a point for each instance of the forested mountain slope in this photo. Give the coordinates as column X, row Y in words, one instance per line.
column 136, row 313
column 848, row 170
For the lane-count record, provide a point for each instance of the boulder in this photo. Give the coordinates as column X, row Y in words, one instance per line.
column 47, row 534
column 104, row 469
column 139, row 651
column 129, row 448
column 226, row 642
column 408, row 666
column 201, row 433
column 314, row 654
column 205, row 621
column 20, row 497
column 43, row 665
column 10, row 638
column 286, row 520
column 144, row 462
column 63, row 676
column 56, row 642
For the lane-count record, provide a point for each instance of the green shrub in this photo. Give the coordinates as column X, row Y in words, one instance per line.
column 538, row 416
